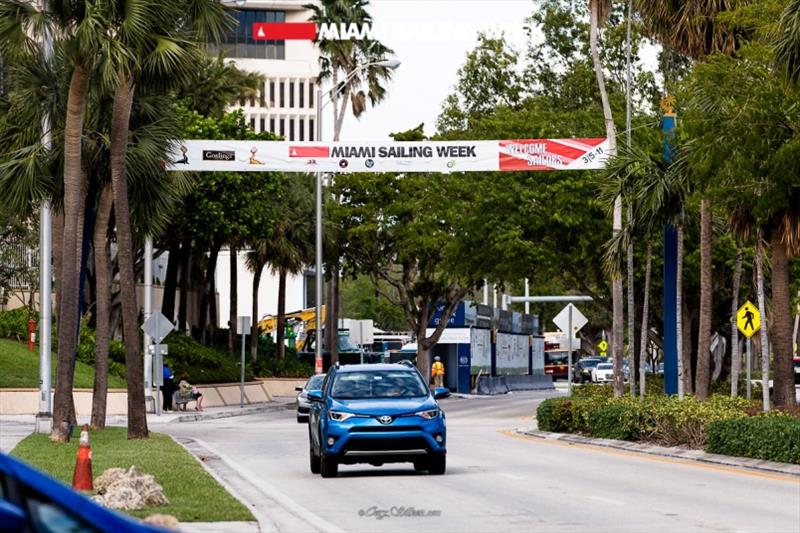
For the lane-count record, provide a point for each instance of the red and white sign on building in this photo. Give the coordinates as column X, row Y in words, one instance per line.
column 427, row 156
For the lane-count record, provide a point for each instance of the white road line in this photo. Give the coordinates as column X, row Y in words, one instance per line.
column 511, row 476
column 289, row 504
column 606, row 500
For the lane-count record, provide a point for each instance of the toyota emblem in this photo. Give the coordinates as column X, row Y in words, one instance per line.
column 385, row 419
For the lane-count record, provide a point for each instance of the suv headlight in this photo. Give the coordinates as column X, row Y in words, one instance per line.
column 340, row 416
column 428, row 415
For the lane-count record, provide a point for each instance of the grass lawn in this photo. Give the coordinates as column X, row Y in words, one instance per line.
column 21, row 368
column 193, row 494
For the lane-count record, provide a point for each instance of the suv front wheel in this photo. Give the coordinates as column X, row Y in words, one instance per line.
column 437, row 464
column 329, row 467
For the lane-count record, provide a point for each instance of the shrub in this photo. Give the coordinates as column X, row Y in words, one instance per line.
column 87, row 351
column 203, row 364
column 773, row 437
column 550, row 413
column 14, row 323
column 288, row 367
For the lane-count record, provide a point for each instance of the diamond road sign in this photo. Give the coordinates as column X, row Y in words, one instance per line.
column 157, row 326
column 562, row 319
column 748, row 318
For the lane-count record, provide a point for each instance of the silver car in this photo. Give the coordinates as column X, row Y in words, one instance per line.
column 303, row 405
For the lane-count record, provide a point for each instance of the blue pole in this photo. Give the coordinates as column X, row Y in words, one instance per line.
column 670, row 267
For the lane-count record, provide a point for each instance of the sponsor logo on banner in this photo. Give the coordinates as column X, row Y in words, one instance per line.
column 219, row 155
column 343, row 163
column 185, row 159
column 369, row 163
column 311, row 162
column 310, row 151
column 253, row 160
column 451, row 163
column 547, row 154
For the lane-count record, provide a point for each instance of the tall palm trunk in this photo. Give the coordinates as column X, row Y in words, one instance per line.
column 57, row 232
column 645, row 322
column 782, row 324
column 171, row 281
column 762, row 308
column 103, row 274
column 611, row 133
column 631, row 313
column 703, row 374
column 736, row 358
column 679, row 318
column 183, row 281
column 208, row 296
column 120, row 123
column 234, row 301
column 280, row 332
column 254, row 322
column 69, row 282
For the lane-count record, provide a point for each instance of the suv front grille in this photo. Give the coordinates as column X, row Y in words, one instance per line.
column 362, row 444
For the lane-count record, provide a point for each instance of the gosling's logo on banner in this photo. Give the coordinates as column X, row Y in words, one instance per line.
column 427, row 156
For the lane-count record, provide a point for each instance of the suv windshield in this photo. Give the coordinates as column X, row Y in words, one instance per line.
column 315, row 382
column 605, row 366
column 378, row 384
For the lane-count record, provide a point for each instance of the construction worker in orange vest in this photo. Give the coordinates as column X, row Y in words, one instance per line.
column 437, row 371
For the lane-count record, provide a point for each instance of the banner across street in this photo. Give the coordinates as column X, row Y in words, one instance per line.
column 428, row 156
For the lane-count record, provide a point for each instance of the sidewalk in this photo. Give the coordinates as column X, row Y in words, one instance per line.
column 14, row 428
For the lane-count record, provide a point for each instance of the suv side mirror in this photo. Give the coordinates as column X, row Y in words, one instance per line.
column 315, row 395
column 441, row 392
column 12, row 517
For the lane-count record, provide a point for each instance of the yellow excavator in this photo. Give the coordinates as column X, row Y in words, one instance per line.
column 303, row 322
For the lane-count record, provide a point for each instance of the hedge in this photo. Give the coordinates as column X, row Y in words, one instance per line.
column 203, row 364
column 14, row 324
column 773, row 437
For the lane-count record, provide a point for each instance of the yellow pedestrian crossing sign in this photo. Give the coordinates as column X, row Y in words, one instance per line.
column 602, row 346
column 748, row 318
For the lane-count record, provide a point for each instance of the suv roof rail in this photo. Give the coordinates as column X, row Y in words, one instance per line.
column 406, row 362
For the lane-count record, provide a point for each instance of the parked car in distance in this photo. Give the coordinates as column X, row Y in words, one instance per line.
column 303, row 405
column 376, row 414
column 31, row 501
column 603, row 372
column 582, row 371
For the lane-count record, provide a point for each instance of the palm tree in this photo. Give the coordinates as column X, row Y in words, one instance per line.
column 103, row 338
column 348, row 64
column 256, row 261
column 598, row 11
column 736, row 358
column 703, row 376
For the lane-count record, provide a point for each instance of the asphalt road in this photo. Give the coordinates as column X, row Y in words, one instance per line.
column 495, row 481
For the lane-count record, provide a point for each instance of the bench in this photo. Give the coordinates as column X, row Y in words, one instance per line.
column 179, row 402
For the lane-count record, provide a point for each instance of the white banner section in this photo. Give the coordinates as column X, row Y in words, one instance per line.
column 428, row 156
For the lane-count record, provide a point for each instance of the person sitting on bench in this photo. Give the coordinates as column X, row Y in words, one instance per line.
column 189, row 392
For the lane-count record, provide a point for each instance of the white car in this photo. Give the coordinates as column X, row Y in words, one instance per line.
column 603, row 372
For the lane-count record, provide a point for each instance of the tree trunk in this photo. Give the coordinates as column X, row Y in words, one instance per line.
column 208, row 295
column 69, row 282
column 171, row 281
column 784, row 391
column 762, row 308
column 57, row 234
column 686, row 350
column 679, row 318
column 254, row 329
column 611, row 133
column 332, row 317
column 631, row 314
column 234, row 301
column 645, row 321
column 703, row 374
column 103, row 309
column 736, row 358
column 120, row 123
column 186, row 254
column 280, row 332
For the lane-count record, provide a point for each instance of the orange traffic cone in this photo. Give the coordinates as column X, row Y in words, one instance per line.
column 82, row 477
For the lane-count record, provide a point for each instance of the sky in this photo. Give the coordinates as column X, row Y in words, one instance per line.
column 431, row 38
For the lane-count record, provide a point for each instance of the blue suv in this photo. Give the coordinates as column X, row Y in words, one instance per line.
column 376, row 414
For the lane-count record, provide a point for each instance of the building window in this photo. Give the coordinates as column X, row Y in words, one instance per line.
column 272, row 94
column 261, row 124
column 239, row 41
column 272, row 125
column 301, row 129
column 253, row 123
column 310, row 95
column 282, row 97
column 252, row 100
column 291, row 94
column 262, row 96
column 291, row 129
column 311, row 132
column 302, row 94
column 282, row 127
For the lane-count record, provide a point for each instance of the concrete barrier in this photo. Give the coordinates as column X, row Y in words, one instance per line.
column 282, row 386
column 492, row 385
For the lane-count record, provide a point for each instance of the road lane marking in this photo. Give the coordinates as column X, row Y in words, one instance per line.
column 686, row 462
column 511, row 476
column 606, row 500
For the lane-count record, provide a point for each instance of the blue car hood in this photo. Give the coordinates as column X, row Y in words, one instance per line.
column 383, row 406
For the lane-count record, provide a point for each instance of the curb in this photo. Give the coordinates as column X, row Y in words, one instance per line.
column 664, row 451
column 197, row 417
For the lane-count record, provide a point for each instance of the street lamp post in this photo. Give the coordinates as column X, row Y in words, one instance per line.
column 334, row 95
